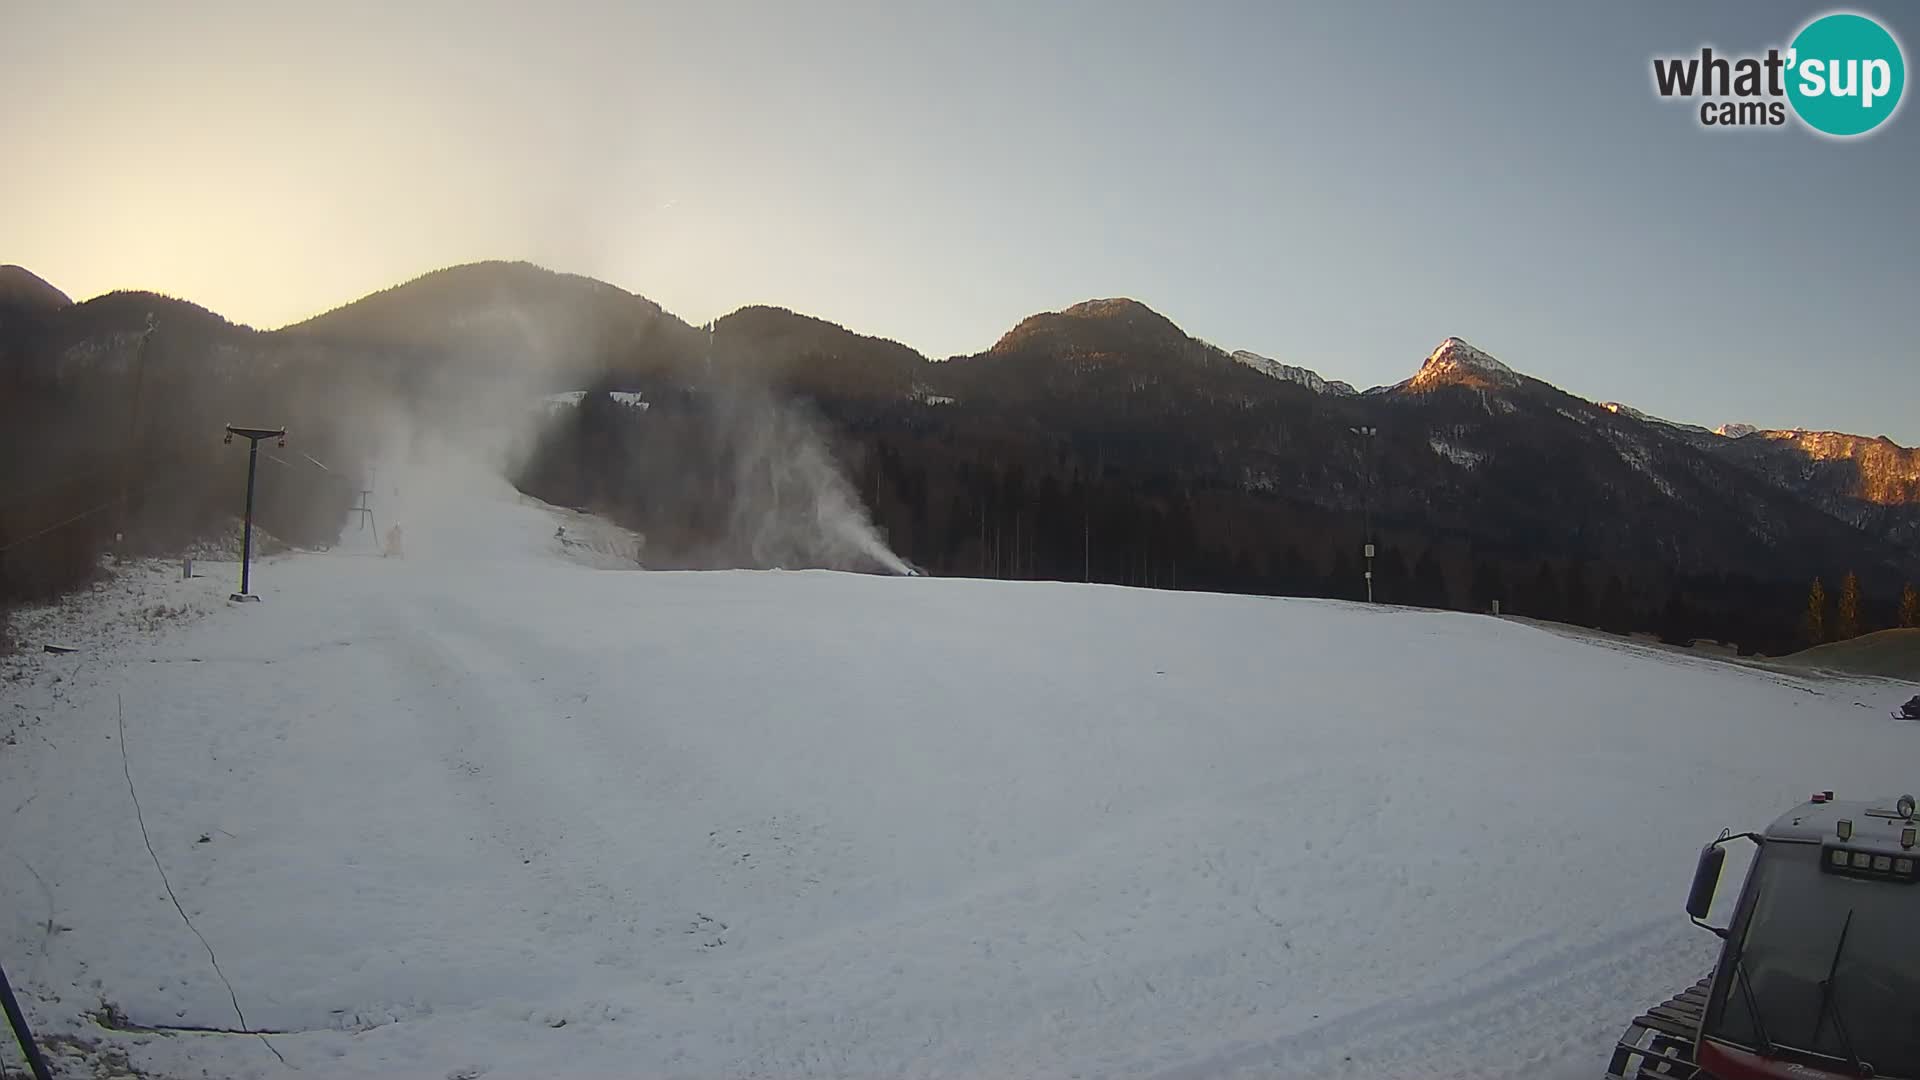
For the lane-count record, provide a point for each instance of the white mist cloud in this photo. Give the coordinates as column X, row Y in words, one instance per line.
column 792, row 505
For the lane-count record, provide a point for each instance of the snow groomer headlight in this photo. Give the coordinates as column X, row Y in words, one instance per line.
column 1870, row 864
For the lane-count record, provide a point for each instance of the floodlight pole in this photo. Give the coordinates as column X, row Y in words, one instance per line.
column 253, row 437
column 21, row 1033
column 133, row 435
column 1367, row 435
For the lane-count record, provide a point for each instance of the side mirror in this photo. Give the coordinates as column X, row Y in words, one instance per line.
column 1706, row 879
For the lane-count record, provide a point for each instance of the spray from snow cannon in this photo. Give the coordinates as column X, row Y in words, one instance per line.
column 792, row 506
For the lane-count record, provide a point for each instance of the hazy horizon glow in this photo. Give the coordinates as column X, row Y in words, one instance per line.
column 1335, row 188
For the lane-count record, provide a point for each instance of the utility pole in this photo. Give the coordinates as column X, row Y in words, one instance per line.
column 253, row 437
column 1367, row 437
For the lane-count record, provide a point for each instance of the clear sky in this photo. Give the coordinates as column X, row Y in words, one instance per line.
column 1335, row 185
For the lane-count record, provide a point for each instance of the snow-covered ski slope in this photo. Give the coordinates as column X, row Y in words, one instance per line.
column 486, row 810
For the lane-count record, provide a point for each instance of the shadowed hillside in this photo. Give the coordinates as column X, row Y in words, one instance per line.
column 1100, row 442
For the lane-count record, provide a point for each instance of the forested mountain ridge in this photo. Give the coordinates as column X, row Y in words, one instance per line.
column 1099, row 442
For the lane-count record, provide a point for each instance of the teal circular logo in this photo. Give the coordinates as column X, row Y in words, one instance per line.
column 1845, row 74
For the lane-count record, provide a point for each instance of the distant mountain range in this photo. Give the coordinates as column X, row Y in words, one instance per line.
column 1474, row 461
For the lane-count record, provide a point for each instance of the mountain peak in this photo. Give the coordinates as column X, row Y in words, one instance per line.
column 1735, row 431
column 1113, row 307
column 1456, row 362
column 1094, row 323
column 21, row 287
column 1125, row 313
column 1457, row 353
column 492, row 304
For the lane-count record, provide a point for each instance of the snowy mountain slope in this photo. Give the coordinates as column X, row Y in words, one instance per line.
column 1619, row 409
column 1290, row 373
column 1456, row 363
column 572, row 399
column 487, row 811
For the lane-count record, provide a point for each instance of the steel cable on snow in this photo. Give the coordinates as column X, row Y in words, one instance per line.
column 127, row 768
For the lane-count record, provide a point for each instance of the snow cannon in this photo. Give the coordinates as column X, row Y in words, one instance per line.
column 1819, row 969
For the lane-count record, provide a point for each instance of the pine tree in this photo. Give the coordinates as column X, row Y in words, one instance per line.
column 1487, row 586
column 1343, row 582
column 1430, row 581
column 1848, row 624
column 1677, row 619
column 1543, row 599
column 1815, row 624
column 1296, row 574
column 1616, row 611
column 1910, row 607
column 1391, row 580
column 1579, row 602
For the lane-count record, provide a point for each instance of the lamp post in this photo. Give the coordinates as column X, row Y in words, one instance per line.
column 253, row 437
column 1367, row 436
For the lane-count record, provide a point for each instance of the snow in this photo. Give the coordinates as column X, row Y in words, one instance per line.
column 1456, row 351
column 1639, row 457
column 572, row 398
column 1459, row 455
column 1253, row 478
column 1735, row 431
column 1619, row 409
column 1454, row 359
column 489, row 810
column 1289, row 373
